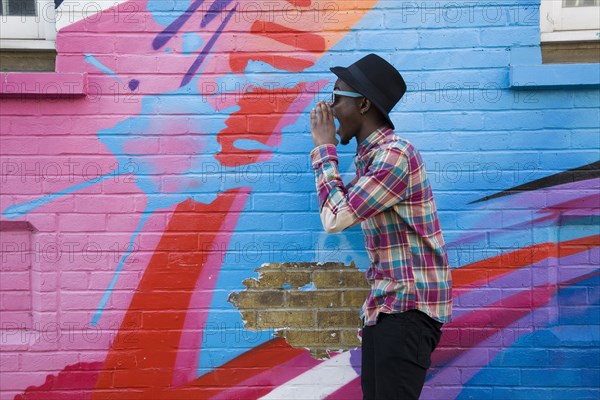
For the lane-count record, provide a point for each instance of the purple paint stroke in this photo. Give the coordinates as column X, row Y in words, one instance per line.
column 356, row 360
column 563, row 212
column 526, row 203
column 133, row 84
column 167, row 34
column 215, row 9
column 207, row 48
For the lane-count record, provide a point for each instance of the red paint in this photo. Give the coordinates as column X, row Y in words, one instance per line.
column 291, row 37
column 260, row 115
column 300, row 3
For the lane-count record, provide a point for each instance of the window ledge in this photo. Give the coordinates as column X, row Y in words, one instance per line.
column 26, row 44
column 570, row 36
column 550, row 76
column 51, row 84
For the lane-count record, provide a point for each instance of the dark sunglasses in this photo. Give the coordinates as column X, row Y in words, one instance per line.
column 343, row 93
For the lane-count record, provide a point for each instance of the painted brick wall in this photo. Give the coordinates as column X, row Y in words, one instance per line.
column 161, row 180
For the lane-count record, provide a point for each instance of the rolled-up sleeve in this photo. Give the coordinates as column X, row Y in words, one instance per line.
column 383, row 184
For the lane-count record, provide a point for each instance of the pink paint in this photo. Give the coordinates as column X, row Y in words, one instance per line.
column 76, row 381
column 350, row 390
column 43, row 83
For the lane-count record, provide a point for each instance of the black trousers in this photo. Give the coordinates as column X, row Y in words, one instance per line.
column 396, row 353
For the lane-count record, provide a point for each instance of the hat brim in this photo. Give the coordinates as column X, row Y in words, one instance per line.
column 344, row 74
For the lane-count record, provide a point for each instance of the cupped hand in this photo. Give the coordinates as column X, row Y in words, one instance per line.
column 322, row 125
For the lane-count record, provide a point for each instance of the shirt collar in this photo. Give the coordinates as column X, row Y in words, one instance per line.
column 374, row 139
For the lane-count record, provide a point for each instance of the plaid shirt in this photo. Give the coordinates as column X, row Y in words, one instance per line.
column 392, row 199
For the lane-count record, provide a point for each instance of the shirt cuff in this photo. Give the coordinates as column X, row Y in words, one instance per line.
column 322, row 154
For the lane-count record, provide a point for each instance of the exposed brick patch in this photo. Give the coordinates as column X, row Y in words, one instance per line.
column 310, row 305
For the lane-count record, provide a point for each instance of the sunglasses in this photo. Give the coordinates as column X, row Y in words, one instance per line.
column 335, row 93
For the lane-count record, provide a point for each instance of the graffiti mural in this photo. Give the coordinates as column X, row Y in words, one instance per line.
column 156, row 198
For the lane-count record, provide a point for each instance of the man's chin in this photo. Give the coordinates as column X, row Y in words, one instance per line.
column 343, row 141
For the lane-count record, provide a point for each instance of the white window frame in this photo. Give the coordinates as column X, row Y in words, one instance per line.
column 30, row 32
column 568, row 24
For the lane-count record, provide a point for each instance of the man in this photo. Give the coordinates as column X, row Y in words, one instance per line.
column 390, row 196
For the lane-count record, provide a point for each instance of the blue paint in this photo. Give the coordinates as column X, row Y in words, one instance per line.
column 18, row 210
column 309, row 287
column 191, row 42
column 165, row 12
column 90, row 59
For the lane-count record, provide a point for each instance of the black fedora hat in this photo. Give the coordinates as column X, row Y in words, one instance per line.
column 377, row 80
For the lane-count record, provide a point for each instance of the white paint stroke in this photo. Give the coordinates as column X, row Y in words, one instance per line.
column 318, row 382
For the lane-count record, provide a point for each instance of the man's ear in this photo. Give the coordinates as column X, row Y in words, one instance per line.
column 365, row 105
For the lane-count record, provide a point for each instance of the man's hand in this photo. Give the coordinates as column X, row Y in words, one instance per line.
column 322, row 125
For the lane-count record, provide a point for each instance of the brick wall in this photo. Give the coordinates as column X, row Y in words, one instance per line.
column 175, row 245
column 310, row 305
